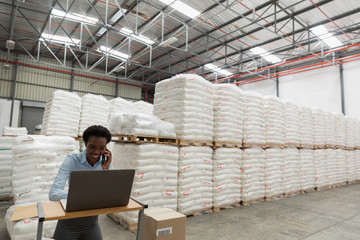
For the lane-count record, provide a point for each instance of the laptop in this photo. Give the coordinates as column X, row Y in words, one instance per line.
column 98, row 189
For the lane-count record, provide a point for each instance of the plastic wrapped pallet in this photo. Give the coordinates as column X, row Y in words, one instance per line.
column 94, row 111
column 307, row 169
column 321, row 172
column 119, row 105
column 341, row 166
column 292, row 166
column 186, row 101
column 350, row 132
column 228, row 113
column 6, row 160
column 292, row 125
column 306, row 127
column 140, row 124
column 351, row 166
column 226, row 176
column 62, row 114
column 14, row 131
column 274, row 172
column 253, row 174
column 331, row 166
column 330, row 129
column 144, row 107
column 274, row 113
column 195, row 179
column 156, row 169
column 319, row 119
column 37, row 160
column 254, row 122
column 340, row 130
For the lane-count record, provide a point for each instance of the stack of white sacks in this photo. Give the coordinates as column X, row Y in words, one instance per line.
column 254, row 122
column 187, row 102
column 357, row 162
column 6, row 160
column 331, row 129
column 307, row 169
column 253, row 174
column 341, row 165
column 14, row 131
column 332, row 168
column 351, row 174
column 37, row 160
column 195, row 179
column 357, row 135
column 292, row 127
column 226, row 176
column 94, row 111
column 274, row 172
column 319, row 119
column 321, row 171
column 340, row 130
column 292, row 166
column 119, row 106
column 350, row 132
column 156, row 169
column 144, row 107
column 274, row 113
column 228, row 113
column 306, row 127
column 62, row 114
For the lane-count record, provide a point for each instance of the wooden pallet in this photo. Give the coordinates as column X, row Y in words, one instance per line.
column 168, row 141
column 291, row 193
column 303, row 191
column 330, row 146
column 319, row 147
column 248, row 202
column 199, row 212
column 350, row 148
column 227, row 144
column 123, row 222
column 340, row 147
column 275, row 197
column 321, row 188
column 10, row 135
column 250, row 145
column 141, row 139
column 195, row 143
column 6, row 198
column 288, row 145
column 225, row 207
column 306, row 146
column 351, row 182
column 270, row 145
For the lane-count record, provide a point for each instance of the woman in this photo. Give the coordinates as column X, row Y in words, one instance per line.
column 96, row 138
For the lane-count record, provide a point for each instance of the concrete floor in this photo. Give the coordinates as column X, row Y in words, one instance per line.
column 328, row 214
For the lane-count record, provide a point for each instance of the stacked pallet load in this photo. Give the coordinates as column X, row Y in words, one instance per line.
column 228, row 114
column 226, row 176
column 331, row 166
column 292, row 124
column 254, row 122
column 351, row 174
column 307, row 169
column 195, row 189
column 15, row 131
column 341, row 166
column 357, row 134
column 274, row 113
column 6, row 161
column 306, row 128
column 155, row 181
column 357, row 162
column 319, row 119
column 292, row 171
column 118, row 106
column 144, row 107
column 350, row 129
column 321, row 171
column 62, row 114
column 274, row 172
column 37, row 160
column 252, row 175
column 186, row 101
column 340, row 131
column 94, row 111
column 330, row 130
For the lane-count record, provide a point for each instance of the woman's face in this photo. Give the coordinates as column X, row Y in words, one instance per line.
column 95, row 147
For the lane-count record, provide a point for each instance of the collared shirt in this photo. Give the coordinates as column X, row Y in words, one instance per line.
column 72, row 162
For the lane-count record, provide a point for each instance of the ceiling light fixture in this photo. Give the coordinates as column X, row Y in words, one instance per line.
column 59, row 39
column 265, row 54
column 326, row 37
column 214, row 68
column 140, row 38
column 74, row 16
column 182, row 7
column 113, row 53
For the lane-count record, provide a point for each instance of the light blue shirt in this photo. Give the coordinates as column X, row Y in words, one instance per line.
column 72, row 162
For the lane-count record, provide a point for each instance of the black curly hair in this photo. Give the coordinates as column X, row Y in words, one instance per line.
column 97, row 131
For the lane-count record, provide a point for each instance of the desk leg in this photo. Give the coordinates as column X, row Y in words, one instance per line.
column 140, row 223
column 41, row 222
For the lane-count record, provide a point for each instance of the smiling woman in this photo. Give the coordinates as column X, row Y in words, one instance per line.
column 95, row 157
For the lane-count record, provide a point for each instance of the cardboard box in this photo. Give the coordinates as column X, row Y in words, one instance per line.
column 163, row 224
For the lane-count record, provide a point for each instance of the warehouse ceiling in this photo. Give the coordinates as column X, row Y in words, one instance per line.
column 222, row 40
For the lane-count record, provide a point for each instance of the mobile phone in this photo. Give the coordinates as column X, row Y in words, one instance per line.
column 103, row 159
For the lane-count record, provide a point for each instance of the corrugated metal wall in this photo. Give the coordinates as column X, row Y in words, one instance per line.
column 36, row 84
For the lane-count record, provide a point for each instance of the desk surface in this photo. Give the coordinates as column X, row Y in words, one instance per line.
column 54, row 211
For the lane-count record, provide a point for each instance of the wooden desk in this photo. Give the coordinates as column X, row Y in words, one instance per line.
column 49, row 211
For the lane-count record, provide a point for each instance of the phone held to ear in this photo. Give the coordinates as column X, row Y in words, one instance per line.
column 103, row 159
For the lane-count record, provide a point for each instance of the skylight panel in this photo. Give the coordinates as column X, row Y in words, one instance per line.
column 74, row 16
column 140, row 38
column 265, row 54
column 59, row 39
column 182, row 7
column 113, row 53
column 214, row 68
column 328, row 38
